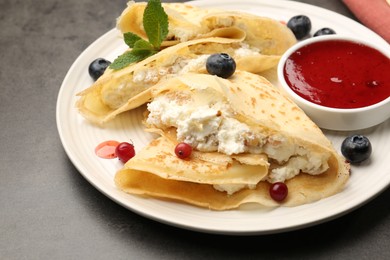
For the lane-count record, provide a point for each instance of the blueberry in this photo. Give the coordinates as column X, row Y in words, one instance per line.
column 97, row 67
column 300, row 25
column 356, row 148
column 221, row 64
column 324, row 31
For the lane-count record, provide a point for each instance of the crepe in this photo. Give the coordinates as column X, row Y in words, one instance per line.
column 235, row 121
column 188, row 22
column 254, row 42
column 184, row 21
column 115, row 91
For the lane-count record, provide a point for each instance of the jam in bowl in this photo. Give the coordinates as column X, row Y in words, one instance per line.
column 341, row 83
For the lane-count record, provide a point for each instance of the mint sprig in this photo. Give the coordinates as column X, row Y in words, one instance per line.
column 131, row 38
column 155, row 22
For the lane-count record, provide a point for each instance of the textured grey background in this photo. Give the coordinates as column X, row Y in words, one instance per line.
column 49, row 211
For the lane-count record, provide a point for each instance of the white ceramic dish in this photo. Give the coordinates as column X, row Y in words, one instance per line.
column 80, row 138
column 336, row 118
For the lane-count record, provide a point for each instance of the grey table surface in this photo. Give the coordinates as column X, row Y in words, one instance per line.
column 49, row 211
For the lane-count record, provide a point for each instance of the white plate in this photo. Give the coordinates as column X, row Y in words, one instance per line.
column 79, row 139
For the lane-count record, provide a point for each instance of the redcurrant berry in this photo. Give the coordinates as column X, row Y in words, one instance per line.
column 183, row 150
column 125, row 151
column 278, row 191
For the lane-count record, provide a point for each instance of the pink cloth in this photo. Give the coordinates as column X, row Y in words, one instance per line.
column 375, row 14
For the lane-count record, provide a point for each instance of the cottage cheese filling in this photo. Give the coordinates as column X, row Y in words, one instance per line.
column 211, row 126
column 117, row 94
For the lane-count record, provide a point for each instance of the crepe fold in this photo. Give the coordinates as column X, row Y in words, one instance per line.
column 188, row 22
column 115, row 91
column 271, row 140
column 254, row 42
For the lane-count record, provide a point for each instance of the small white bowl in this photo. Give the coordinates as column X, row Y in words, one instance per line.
column 341, row 119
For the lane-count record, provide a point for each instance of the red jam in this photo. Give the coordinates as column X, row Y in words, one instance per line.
column 339, row 74
column 106, row 149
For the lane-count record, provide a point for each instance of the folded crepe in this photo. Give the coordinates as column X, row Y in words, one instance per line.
column 245, row 134
column 184, row 21
column 188, row 22
column 115, row 91
column 255, row 43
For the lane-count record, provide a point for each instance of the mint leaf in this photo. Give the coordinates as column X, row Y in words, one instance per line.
column 130, row 57
column 155, row 22
column 143, row 45
column 141, row 50
column 131, row 38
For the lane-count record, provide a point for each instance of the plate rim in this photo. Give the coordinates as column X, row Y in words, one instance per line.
column 122, row 199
